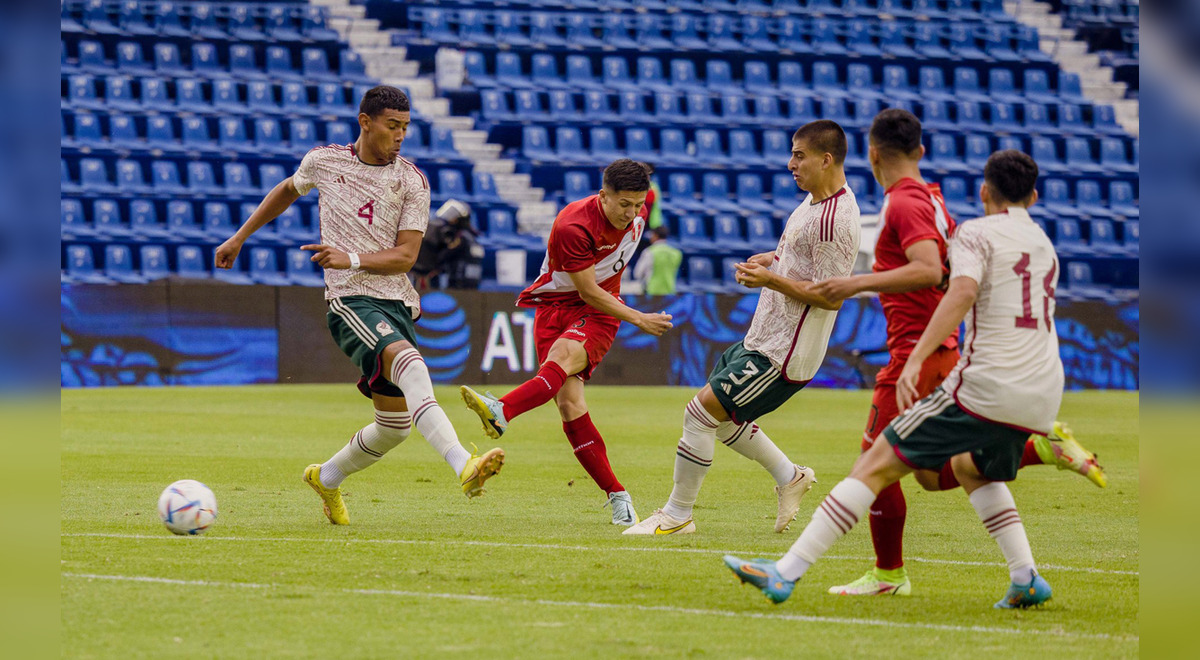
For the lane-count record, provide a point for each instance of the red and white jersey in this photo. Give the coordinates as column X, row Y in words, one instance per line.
column 363, row 208
column 912, row 212
column 1010, row 371
column 582, row 236
column 820, row 241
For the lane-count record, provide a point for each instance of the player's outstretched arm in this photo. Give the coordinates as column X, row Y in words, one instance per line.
column 276, row 202
column 946, row 318
column 603, row 301
column 392, row 261
column 923, row 270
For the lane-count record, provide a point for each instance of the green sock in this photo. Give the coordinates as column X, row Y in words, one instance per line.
column 893, row 576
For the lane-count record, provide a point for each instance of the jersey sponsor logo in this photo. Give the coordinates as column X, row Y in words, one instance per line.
column 383, row 328
column 607, row 247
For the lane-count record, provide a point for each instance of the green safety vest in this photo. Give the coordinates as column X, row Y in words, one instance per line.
column 656, row 218
column 667, row 258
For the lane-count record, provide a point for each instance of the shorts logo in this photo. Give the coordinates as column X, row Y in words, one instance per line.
column 726, row 387
column 383, row 328
column 573, row 331
column 580, row 324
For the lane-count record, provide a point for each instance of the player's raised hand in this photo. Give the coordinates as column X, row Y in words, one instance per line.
column 906, row 384
column 752, row 275
column 655, row 324
column 835, row 289
column 227, row 252
column 326, row 256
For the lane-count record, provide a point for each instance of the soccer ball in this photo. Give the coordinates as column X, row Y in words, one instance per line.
column 187, row 507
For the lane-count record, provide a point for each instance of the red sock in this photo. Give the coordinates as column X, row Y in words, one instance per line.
column 1030, row 457
column 946, row 478
column 535, row 391
column 887, row 527
column 591, row 452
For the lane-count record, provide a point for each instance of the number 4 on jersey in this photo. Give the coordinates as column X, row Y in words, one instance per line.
column 1026, row 320
column 367, row 212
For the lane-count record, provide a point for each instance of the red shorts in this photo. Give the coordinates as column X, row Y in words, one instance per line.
column 883, row 403
column 581, row 323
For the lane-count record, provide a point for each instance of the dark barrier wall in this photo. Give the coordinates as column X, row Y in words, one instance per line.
column 209, row 333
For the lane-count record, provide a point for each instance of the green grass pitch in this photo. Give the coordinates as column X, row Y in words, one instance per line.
column 534, row 568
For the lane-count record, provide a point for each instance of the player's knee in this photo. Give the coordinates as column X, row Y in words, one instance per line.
column 571, row 405
column 966, row 472
column 928, row 479
column 391, row 351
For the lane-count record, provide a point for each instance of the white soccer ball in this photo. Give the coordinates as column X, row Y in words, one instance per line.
column 187, row 507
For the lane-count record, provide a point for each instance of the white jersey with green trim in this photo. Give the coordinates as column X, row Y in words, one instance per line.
column 1010, row 371
column 820, row 241
column 362, row 209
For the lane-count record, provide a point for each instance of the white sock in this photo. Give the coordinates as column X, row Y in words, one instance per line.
column 841, row 509
column 750, row 441
column 367, row 446
column 996, row 508
column 693, row 457
column 410, row 375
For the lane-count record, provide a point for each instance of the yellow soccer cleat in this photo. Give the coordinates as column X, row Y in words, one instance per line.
column 479, row 469
column 335, row 508
column 1062, row 449
column 489, row 409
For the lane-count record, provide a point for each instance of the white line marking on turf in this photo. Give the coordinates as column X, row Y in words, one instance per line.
column 553, row 546
column 669, row 609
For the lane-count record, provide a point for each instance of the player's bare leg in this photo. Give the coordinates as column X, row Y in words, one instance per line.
column 407, row 371
column 390, row 428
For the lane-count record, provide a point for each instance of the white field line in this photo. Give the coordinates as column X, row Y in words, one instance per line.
column 553, row 546
column 574, row 604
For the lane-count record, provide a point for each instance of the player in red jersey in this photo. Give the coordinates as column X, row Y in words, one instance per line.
column 909, row 273
column 578, row 303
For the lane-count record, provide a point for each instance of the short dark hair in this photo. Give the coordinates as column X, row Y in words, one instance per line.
column 383, row 97
column 826, row 136
column 1011, row 175
column 626, row 175
column 661, row 231
column 896, row 131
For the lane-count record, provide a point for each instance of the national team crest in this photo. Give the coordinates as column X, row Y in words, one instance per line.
column 383, row 328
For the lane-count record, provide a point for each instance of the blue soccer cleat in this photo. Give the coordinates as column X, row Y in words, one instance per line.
column 1021, row 596
column 762, row 574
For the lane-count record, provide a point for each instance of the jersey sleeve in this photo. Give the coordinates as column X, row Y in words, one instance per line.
column 414, row 201
column 305, row 178
column 912, row 221
column 571, row 248
column 834, row 256
column 969, row 252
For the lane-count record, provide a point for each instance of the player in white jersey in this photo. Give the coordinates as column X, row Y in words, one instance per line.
column 1007, row 384
column 374, row 208
column 786, row 341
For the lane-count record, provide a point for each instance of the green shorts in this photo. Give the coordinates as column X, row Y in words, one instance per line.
column 363, row 326
column 936, row 429
column 748, row 385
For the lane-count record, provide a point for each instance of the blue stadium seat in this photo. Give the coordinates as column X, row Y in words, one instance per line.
column 203, row 22
column 1080, row 284
column 242, row 25
column 1036, row 87
column 81, row 266
column 962, row 43
column 130, row 57
column 87, row 129
column 331, row 99
column 860, row 83
column 603, row 145
column 777, row 145
column 268, row 136
column 118, row 93
column 700, row 276
column 568, row 144
column 154, row 95
column 154, row 264
column 315, row 64
column 931, row 81
column 189, row 93
column 579, row 73
column 733, row 109
column 577, row 185
column 757, row 78
column 936, row 116
column 755, row 33
column 708, row 145
column 673, row 147
column 632, row 107
column 760, row 233
column 720, row 33
column 791, row 79
column 944, row 155
column 108, row 221
column 476, row 69
column 1056, row 200
column 181, row 221
column 1003, row 118
column 750, row 194
column 581, row 30
column 130, row 178
column 715, row 192
column 501, row 230
column 968, row 116
column 95, row 18
column 729, row 272
column 291, row 229
column 231, row 134
column 91, row 56
column 535, row 144
column 649, row 30
column 436, row 26
column 681, row 191
column 727, row 234
column 201, row 180
column 452, row 184
column 218, row 223
column 1104, row 120
column 650, row 75
column 638, row 145
column 862, row 192
column 1006, row 142
column 614, row 30
column 1103, row 239
column 966, row 85
column 895, row 83
column 685, row 32
column 93, row 176
column 1079, row 156
column 1131, row 239
column 692, row 236
column 824, row 38
column 494, row 105
column 302, row 135
column 545, row 72
column 683, row 74
column 742, row 150
column 860, row 38
column 1070, row 119
column 1121, row 200
column 226, row 97
column 597, row 105
column 1113, row 156
column 73, row 224
column 508, row 71
column 928, row 39
column 143, row 221
column 338, row 132
column 264, row 268
column 260, row 97
column 563, row 106
column 237, row 180
column 825, row 79
column 66, row 183
column 508, row 29
column 698, row 108
column 167, row 59
column 546, row 29
column 527, row 104
column 279, row 24
column 81, row 92
column 997, row 42
column 718, row 76
column 313, row 24
column 301, row 270
column 667, row 108
column 954, row 190
column 118, row 265
column 1089, row 200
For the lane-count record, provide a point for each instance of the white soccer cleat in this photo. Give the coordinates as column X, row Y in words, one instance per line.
column 659, row 524
column 622, row 509
column 790, row 496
